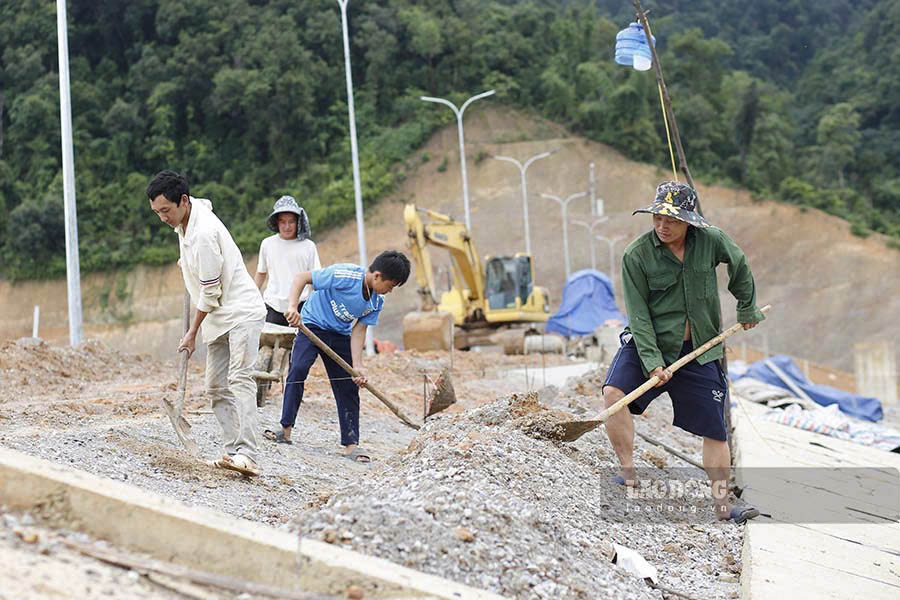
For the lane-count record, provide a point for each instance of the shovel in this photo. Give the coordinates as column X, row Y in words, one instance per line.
column 179, row 423
column 353, row 373
column 441, row 396
column 570, row 431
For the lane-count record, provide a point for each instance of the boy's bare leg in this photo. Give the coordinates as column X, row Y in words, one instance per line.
column 620, row 430
column 287, row 432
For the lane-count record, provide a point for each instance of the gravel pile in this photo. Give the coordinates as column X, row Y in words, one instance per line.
column 477, row 499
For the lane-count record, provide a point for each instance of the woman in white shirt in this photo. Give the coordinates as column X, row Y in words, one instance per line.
column 283, row 255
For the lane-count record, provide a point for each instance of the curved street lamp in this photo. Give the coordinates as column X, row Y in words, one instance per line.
column 522, row 170
column 590, row 229
column 462, row 143
column 612, row 259
column 564, row 205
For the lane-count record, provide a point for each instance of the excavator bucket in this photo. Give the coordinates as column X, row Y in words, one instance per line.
column 427, row 330
column 441, row 395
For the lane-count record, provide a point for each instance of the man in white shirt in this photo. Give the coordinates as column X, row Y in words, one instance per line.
column 283, row 256
column 230, row 313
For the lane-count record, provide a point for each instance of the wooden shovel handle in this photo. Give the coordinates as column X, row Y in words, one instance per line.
column 650, row 383
column 353, row 372
column 184, row 356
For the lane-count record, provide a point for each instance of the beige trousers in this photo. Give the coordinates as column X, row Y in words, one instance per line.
column 231, row 387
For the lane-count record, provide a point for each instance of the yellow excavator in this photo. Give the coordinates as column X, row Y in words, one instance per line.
column 484, row 304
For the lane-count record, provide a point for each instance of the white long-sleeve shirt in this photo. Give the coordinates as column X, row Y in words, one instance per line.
column 215, row 275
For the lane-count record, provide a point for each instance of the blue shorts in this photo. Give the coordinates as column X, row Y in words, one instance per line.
column 698, row 392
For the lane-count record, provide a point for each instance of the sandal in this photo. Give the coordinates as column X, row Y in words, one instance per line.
column 242, row 464
column 277, row 437
column 358, row 455
column 742, row 514
column 618, row 479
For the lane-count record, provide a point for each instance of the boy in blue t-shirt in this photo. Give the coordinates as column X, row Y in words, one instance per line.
column 346, row 299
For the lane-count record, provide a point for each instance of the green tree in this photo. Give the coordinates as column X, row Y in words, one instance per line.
column 838, row 136
column 770, row 158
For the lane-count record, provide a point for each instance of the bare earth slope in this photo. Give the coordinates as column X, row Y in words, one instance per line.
column 829, row 289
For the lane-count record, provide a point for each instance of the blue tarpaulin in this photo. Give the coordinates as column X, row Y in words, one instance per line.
column 860, row 407
column 588, row 301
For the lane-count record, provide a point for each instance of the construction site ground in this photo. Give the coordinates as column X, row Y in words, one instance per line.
column 479, row 496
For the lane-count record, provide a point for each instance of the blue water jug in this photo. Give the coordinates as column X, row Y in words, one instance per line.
column 632, row 48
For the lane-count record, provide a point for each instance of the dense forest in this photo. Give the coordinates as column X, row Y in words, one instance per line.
column 794, row 100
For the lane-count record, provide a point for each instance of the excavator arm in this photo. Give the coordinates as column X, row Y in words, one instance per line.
column 479, row 304
column 446, row 233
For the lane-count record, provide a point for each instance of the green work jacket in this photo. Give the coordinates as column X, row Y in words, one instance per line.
column 662, row 291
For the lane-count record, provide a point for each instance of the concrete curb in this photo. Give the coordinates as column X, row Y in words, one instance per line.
column 169, row 530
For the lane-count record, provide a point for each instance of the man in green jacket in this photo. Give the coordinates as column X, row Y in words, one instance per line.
column 672, row 300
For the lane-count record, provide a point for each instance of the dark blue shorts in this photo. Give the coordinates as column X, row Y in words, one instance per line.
column 698, row 392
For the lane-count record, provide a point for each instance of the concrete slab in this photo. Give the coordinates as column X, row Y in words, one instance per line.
column 204, row 539
column 854, row 551
column 537, row 378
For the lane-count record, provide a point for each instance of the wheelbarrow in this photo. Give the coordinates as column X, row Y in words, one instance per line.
column 273, row 359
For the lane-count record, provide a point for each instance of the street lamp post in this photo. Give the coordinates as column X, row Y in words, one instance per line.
column 462, row 141
column 73, row 270
column 612, row 259
column 354, row 152
column 522, row 170
column 564, row 205
column 590, row 229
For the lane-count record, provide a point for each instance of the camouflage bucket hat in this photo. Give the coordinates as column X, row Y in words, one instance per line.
column 287, row 204
column 677, row 200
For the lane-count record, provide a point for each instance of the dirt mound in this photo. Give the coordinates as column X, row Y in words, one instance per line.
column 57, row 387
column 32, row 361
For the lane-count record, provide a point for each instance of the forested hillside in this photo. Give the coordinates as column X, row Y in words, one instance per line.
column 790, row 99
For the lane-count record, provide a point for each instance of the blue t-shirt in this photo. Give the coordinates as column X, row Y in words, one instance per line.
column 337, row 299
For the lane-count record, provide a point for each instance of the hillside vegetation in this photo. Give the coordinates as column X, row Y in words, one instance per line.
column 791, row 99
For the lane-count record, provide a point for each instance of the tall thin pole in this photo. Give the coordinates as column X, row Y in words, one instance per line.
column 590, row 230
column 642, row 17
column 522, row 170
column 564, row 205
column 592, row 186
column 611, row 243
column 462, row 142
column 73, row 271
column 354, row 152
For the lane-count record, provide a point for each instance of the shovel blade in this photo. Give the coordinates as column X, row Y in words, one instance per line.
column 182, row 428
column 442, row 396
column 569, row 431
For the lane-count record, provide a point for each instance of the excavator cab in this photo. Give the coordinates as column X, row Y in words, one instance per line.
column 507, row 281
